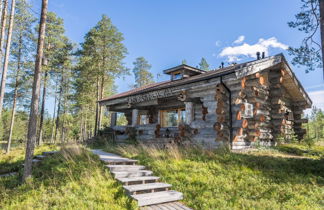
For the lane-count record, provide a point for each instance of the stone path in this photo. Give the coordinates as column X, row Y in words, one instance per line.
column 140, row 183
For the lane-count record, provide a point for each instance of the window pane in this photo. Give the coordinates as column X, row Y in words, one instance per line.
column 177, row 76
column 121, row 119
column 170, row 118
column 182, row 115
column 143, row 119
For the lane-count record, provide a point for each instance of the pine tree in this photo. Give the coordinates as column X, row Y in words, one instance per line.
column 7, row 54
column 23, row 48
column 54, row 43
column 142, row 73
column 31, row 136
column 309, row 20
column 97, row 67
column 203, row 65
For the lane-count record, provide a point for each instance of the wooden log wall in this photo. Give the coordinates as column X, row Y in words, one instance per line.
column 281, row 105
column 298, row 121
column 255, row 90
column 222, row 111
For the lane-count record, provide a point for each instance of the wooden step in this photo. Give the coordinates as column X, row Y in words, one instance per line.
column 34, row 161
column 49, row 153
column 157, row 197
column 125, row 167
column 127, row 174
column 143, row 179
column 40, row 157
column 134, row 189
column 119, row 161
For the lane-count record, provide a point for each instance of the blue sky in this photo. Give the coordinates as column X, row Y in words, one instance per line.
column 167, row 31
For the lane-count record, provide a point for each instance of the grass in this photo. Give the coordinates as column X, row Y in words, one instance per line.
column 287, row 177
column 74, row 178
column 14, row 160
column 222, row 180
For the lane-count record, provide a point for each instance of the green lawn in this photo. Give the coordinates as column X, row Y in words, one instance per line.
column 277, row 178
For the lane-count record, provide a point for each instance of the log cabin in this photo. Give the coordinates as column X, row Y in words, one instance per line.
column 239, row 106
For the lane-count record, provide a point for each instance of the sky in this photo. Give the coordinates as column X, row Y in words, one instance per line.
column 166, row 32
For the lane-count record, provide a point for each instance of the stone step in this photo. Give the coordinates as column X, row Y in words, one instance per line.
column 157, row 197
column 133, row 189
column 125, row 167
column 128, row 181
column 127, row 174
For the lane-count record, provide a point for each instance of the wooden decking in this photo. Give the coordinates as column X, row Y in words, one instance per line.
column 167, row 206
column 140, row 184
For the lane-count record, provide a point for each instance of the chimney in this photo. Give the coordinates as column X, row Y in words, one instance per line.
column 222, row 64
column 263, row 55
column 258, row 55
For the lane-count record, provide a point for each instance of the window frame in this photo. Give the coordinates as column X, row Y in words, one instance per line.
column 179, row 121
column 177, row 73
column 139, row 119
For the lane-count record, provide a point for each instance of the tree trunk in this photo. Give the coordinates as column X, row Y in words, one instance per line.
column 40, row 135
column 321, row 4
column 32, row 124
column 97, row 109
column 1, row 9
column 58, row 109
column 12, row 118
column 102, row 85
column 3, row 25
column 7, row 54
column 15, row 95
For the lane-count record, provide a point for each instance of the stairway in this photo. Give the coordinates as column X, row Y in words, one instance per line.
column 140, row 184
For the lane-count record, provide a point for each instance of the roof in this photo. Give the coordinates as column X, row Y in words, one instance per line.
column 240, row 70
column 183, row 66
column 134, row 91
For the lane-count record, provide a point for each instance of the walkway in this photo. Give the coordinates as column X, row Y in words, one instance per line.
column 141, row 184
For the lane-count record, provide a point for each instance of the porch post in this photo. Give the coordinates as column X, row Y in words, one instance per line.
column 113, row 119
column 134, row 117
column 189, row 112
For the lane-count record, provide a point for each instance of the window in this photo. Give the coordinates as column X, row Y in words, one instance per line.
column 177, row 76
column 121, row 119
column 143, row 119
column 173, row 117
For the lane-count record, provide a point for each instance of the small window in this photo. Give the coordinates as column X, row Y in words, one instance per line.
column 121, row 119
column 143, row 119
column 177, row 76
column 172, row 118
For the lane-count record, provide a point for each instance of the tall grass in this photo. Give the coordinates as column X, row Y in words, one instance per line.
column 71, row 179
column 222, row 180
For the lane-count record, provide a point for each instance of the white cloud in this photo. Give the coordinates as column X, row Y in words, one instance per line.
column 239, row 40
column 218, row 43
column 263, row 45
